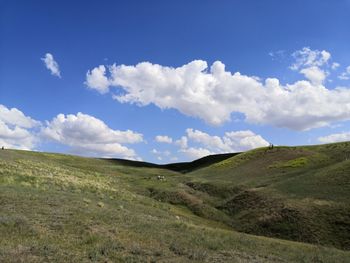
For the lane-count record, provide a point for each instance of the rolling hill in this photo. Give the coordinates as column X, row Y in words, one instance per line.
column 287, row 204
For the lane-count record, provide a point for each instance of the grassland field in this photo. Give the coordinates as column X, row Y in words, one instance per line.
column 287, row 204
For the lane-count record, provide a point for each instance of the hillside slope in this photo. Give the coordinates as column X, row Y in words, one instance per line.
column 62, row 208
column 184, row 167
column 295, row 193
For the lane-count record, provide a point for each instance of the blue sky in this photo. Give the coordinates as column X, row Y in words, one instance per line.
column 71, row 105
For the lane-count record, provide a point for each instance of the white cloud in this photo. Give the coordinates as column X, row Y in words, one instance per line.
column 345, row 75
column 278, row 55
column 51, row 65
column 336, row 137
column 16, row 137
column 309, row 63
column 314, row 74
column 307, row 57
column 88, row 135
column 164, row 156
column 155, row 151
column 197, row 144
column 195, row 153
column 335, row 65
column 16, row 129
column 96, row 79
column 84, row 134
column 244, row 140
column 212, row 94
column 212, row 142
column 235, row 141
column 163, row 139
column 165, row 153
column 182, row 142
column 16, row 117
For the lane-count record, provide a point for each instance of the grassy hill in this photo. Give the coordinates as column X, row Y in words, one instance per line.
column 289, row 204
column 184, row 167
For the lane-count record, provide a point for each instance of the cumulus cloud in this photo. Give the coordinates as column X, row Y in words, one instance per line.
column 96, row 79
column 16, row 137
column 314, row 74
column 182, row 142
column 160, row 155
column 213, row 93
column 84, row 134
column 235, row 141
column 16, row 117
column 335, row 65
column 196, row 143
column 215, row 143
column 345, row 75
column 195, row 153
column 51, row 65
column 307, row 57
column 163, row 139
column 336, row 137
column 309, row 63
column 244, row 140
column 17, row 130
column 88, row 135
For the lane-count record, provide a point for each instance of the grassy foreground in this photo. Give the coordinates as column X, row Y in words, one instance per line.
column 62, row 208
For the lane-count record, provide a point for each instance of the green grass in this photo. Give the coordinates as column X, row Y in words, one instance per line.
column 298, row 162
column 295, row 193
column 62, row 208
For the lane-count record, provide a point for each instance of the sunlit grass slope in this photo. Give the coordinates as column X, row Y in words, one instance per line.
column 295, row 193
column 62, row 208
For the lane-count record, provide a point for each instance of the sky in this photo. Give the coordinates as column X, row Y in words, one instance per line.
column 171, row 81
